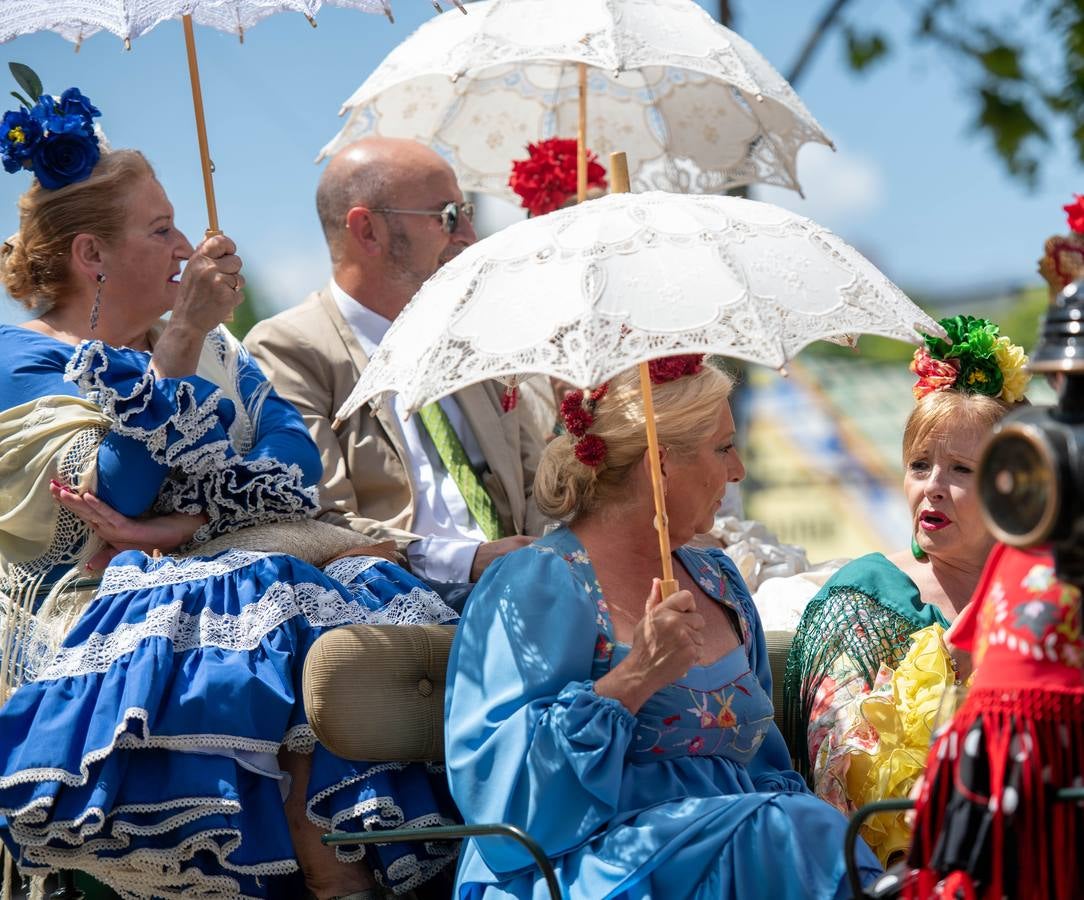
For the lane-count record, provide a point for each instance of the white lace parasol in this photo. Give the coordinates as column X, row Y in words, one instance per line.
column 587, row 292
column 696, row 108
column 77, row 20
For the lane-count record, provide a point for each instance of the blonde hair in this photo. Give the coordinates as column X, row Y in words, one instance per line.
column 686, row 413
column 35, row 263
column 942, row 411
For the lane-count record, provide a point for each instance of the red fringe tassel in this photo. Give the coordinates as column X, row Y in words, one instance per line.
column 1035, row 846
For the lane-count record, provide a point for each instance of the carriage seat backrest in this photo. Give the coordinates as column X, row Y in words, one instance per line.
column 376, row 692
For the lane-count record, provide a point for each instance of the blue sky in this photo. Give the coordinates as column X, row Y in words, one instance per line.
column 910, row 185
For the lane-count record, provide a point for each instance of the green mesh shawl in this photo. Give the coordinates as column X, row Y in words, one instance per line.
column 866, row 611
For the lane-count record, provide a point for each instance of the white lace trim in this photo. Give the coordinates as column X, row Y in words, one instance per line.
column 345, row 570
column 210, row 477
column 300, row 739
column 168, row 570
column 123, row 739
column 331, row 823
column 192, row 420
column 414, row 871
column 408, row 871
column 161, row 872
column 322, row 607
column 236, row 492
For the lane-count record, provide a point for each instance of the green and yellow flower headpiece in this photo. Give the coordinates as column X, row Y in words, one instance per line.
column 976, row 359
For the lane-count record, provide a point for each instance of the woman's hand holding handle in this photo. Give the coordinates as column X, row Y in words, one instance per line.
column 666, row 643
column 210, row 290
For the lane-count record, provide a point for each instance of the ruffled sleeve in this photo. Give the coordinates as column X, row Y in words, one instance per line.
column 527, row 738
column 181, row 425
column 882, row 750
column 279, row 432
column 771, row 768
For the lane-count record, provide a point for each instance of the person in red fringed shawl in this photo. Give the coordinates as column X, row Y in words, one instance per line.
column 987, row 824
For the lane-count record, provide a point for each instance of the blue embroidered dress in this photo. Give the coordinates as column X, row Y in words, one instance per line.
column 692, row 797
column 144, row 751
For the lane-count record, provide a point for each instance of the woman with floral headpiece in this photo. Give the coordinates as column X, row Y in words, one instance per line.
column 153, row 733
column 868, row 666
column 631, row 734
column 1062, row 261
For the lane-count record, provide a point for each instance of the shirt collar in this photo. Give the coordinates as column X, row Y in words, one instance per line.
column 369, row 327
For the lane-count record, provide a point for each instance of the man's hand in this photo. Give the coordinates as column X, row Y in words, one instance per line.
column 491, row 550
column 164, row 533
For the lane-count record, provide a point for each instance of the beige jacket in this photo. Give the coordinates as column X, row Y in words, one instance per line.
column 313, row 359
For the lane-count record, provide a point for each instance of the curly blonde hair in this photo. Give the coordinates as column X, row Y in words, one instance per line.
column 686, row 412
column 35, row 262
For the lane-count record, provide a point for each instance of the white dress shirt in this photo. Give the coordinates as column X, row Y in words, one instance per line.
column 452, row 536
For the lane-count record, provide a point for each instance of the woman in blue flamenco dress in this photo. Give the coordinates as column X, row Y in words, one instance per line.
column 153, row 733
column 634, row 740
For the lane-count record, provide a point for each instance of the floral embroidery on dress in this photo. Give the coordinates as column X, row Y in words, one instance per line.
column 720, row 709
column 1046, row 625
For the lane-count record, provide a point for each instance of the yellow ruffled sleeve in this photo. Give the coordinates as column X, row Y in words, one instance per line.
column 900, row 713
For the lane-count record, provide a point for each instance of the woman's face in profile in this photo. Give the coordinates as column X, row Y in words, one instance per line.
column 143, row 266
column 696, row 483
column 939, row 484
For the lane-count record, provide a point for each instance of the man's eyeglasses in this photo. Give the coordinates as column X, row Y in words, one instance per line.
column 449, row 215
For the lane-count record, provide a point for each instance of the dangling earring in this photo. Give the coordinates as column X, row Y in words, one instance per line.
column 916, row 551
column 96, row 308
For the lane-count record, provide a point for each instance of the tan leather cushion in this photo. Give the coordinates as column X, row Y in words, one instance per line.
column 376, row 692
column 778, row 647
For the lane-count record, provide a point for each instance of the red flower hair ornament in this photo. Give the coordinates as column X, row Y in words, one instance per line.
column 578, row 414
column 578, row 407
column 1075, row 212
column 933, row 374
column 590, row 450
column 547, row 178
column 1063, row 257
column 671, row 368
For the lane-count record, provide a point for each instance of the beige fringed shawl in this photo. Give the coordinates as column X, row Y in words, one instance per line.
column 53, row 437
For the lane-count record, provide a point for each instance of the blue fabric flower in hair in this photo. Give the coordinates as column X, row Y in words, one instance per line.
column 64, row 158
column 54, row 137
column 73, row 103
column 19, row 134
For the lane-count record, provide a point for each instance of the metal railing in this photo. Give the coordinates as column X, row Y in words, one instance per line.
column 454, row 832
column 850, row 840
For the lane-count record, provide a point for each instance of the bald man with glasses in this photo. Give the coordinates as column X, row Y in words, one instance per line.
column 451, row 485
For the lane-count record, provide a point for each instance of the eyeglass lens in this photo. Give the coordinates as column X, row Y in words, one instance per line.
column 449, row 216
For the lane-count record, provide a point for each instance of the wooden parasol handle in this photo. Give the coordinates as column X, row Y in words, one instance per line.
column 201, row 128
column 619, row 184
column 201, row 134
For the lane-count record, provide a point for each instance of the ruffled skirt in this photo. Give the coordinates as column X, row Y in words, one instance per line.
column 145, row 753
